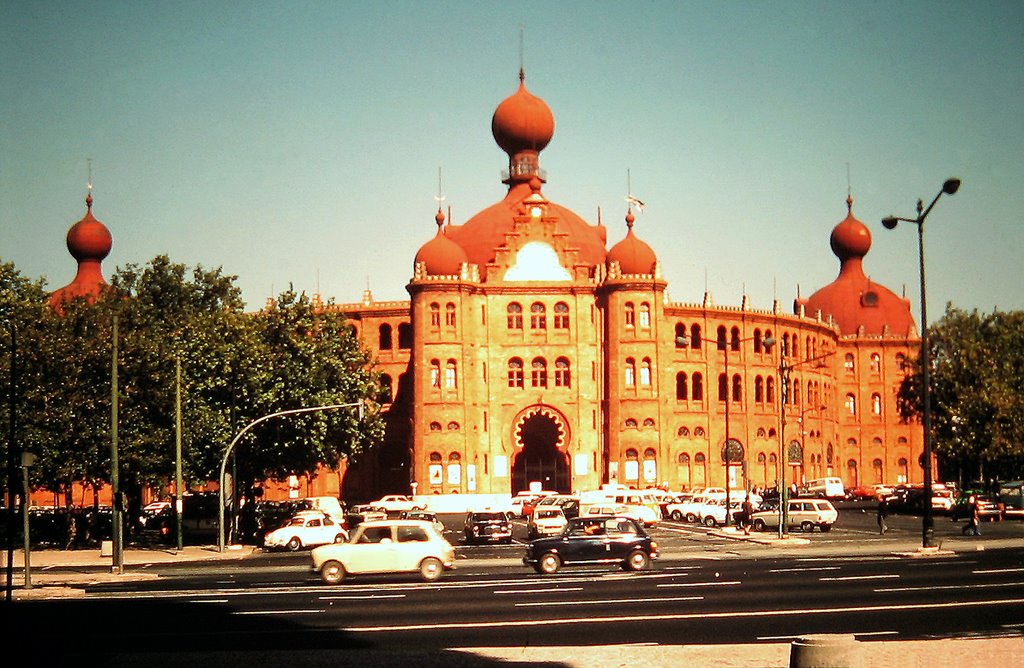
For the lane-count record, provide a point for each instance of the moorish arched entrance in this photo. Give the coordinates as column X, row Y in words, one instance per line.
column 540, row 435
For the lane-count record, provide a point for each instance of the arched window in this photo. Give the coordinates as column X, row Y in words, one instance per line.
column 384, row 337
column 761, row 432
column 450, row 375
column 697, row 383
column 695, row 337
column 681, row 387
column 405, row 336
column 538, row 316
column 515, row 316
column 683, row 459
column 680, row 334
column 435, row 373
column 723, row 387
column 453, row 426
column 723, row 337
column 435, row 426
column 645, row 315
column 769, row 390
column 630, row 314
column 449, row 314
column 454, row 457
column 515, row 372
column 563, row 375
column 699, row 458
column 876, row 404
column 630, row 372
column 645, row 371
column 539, row 372
column 683, row 431
column 901, row 362
column 737, row 388
column 384, row 397
column 435, row 315
column 796, row 393
column 876, row 363
column 734, row 342
column 851, row 404
column 435, row 457
column 561, row 315
column 759, row 390
column 848, row 363
column 630, row 423
column 757, row 341
column 648, row 422
column 876, row 468
column 698, row 432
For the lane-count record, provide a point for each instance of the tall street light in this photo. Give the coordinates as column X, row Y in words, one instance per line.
column 927, row 524
column 731, row 446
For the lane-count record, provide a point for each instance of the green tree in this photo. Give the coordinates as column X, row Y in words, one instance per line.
column 977, row 400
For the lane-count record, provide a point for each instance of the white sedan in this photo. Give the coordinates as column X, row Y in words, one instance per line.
column 305, row 529
column 386, row 546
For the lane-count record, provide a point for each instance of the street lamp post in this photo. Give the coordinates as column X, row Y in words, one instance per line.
column 246, row 428
column 927, row 523
column 730, row 446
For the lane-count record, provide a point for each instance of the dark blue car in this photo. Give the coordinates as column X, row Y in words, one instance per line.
column 603, row 539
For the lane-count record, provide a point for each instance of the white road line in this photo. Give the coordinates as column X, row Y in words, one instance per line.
column 859, row 634
column 803, row 570
column 998, row 570
column 278, row 612
column 552, row 590
column 718, row 583
column 537, row 604
column 987, row 585
column 211, row 600
column 359, row 598
column 845, row 578
column 634, row 618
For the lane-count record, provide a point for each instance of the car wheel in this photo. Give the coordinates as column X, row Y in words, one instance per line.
column 677, row 516
column 690, row 517
column 709, row 521
column 431, row 569
column 340, row 538
column 332, row 572
column 636, row 561
column 806, row 527
column 825, row 527
column 549, row 563
column 759, row 525
column 294, row 544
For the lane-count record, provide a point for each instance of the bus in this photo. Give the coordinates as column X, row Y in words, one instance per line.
column 1011, row 496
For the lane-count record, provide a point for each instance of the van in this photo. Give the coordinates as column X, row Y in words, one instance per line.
column 328, row 505
column 826, row 488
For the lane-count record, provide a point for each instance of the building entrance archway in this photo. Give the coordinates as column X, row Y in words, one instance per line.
column 540, row 433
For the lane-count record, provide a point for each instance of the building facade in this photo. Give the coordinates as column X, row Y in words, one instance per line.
column 532, row 352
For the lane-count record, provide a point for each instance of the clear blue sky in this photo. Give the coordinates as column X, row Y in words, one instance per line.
column 299, row 142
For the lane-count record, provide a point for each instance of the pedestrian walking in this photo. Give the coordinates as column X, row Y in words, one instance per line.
column 747, row 512
column 973, row 526
column 883, row 512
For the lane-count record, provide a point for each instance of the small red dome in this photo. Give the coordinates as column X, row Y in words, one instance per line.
column 89, row 242
column 522, row 122
column 852, row 300
column 441, row 256
column 633, row 255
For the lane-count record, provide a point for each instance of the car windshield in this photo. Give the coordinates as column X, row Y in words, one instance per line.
column 296, row 521
column 548, row 513
column 488, row 517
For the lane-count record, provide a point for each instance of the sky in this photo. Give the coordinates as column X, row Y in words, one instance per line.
column 300, row 143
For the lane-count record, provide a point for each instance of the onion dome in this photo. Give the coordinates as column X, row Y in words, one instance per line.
column 853, row 301
column 89, row 242
column 441, row 256
column 633, row 255
column 522, row 126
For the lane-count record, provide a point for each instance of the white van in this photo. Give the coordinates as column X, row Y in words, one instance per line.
column 826, row 488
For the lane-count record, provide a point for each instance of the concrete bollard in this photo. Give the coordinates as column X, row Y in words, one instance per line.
column 825, row 651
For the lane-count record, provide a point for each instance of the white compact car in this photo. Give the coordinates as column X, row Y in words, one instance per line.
column 386, row 546
column 803, row 513
column 546, row 521
column 305, row 529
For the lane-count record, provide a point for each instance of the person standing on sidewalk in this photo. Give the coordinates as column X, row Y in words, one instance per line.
column 747, row 512
column 973, row 524
column 883, row 512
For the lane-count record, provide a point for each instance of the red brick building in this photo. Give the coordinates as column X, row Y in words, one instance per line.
column 530, row 350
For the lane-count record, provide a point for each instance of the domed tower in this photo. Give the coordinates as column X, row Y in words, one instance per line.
column 440, row 256
column 89, row 242
column 853, row 301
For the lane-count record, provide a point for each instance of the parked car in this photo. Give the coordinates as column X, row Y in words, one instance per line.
column 396, row 503
column 364, row 513
column 987, row 507
column 488, row 526
column 306, row 529
column 546, row 521
column 713, row 512
column 570, row 505
column 594, row 540
column 641, row 514
column 386, row 546
column 691, row 509
column 425, row 516
column 803, row 513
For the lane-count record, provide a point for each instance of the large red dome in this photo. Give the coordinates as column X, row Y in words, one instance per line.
column 522, row 122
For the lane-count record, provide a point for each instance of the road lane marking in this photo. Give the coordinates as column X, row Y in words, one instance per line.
column 550, row 590
column 278, row 612
column 718, row 583
column 609, row 601
column 803, row 570
column 359, row 597
column 998, row 570
column 634, row 618
column 859, row 634
column 987, row 585
column 846, row 578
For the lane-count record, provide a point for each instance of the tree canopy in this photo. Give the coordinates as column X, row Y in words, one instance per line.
column 977, row 392
column 235, row 367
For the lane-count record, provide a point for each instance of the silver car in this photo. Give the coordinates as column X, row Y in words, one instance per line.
column 803, row 513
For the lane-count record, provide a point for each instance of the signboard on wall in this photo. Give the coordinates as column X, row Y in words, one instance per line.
column 501, row 466
column 471, row 477
column 454, row 474
column 436, row 474
column 581, row 464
